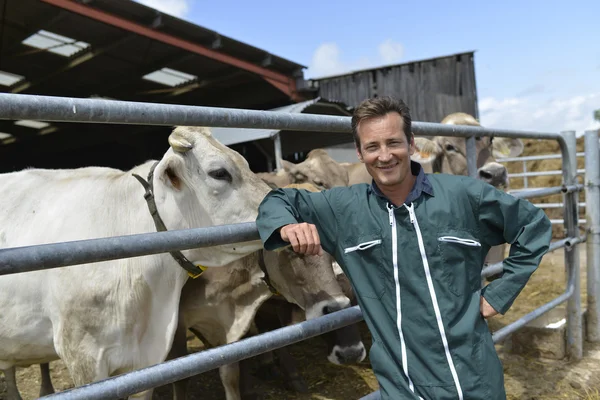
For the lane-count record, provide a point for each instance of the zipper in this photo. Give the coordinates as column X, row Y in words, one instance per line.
column 436, row 308
column 362, row 246
column 453, row 239
column 390, row 208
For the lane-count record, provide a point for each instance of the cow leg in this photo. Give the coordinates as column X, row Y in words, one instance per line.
column 230, row 377
column 179, row 349
column 287, row 363
column 12, row 392
column 46, row 388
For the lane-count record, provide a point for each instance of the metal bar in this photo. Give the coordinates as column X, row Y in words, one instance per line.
column 184, row 367
column 502, row 333
column 30, row 258
column 540, row 173
column 571, row 217
column 592, row 196
column 532, row 193
column 554, row 205
column 174, row 41
column 471, row 157
column 278, row 152
column 535, row 158
column 372, row 396
column 497, row 267
column 65, row 109
column 562, row 221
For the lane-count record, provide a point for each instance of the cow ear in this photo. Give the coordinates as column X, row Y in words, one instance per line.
column 287, row 166
column 507, row 147
column 171, row 173
column 426, row 150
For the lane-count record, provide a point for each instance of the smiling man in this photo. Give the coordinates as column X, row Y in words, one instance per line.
column 413, row 246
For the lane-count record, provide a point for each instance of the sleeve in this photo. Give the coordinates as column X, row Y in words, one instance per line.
column 289, row 206
column 504, row 218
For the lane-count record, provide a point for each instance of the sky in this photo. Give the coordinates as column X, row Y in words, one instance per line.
column 537, row 63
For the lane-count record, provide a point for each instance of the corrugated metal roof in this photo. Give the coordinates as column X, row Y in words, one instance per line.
column 229, row 136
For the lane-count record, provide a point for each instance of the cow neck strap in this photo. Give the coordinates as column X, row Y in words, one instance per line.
column 266, row 279
column 193, row 270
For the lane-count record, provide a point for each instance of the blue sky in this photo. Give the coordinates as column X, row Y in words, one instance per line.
column 537, row 62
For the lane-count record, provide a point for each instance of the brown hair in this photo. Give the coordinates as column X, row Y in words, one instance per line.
column 378, row 107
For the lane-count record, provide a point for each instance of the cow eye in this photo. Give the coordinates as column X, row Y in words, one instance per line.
column 449, row 147
column 220, row 174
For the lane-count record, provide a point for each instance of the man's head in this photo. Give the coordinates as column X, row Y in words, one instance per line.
column 383, row 138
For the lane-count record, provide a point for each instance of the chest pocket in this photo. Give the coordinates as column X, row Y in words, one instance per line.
column 363, row 258
column 461, row 255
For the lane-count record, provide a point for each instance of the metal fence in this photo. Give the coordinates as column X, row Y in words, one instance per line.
column 30, row 258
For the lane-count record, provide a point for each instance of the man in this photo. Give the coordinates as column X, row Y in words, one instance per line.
column 413, row 246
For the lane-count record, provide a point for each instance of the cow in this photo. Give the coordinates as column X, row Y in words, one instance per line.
column 220, row 305
column 115, row 316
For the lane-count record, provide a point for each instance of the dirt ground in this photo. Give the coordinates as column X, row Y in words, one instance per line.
column 525, row 377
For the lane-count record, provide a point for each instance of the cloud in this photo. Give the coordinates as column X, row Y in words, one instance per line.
column 327, row 59
column 176, row 8
column 544, row 115
column 391, row 52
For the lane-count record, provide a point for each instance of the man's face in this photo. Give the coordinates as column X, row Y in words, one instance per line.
column 384, row 149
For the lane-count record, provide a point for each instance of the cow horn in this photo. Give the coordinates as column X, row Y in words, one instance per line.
column 178, row 142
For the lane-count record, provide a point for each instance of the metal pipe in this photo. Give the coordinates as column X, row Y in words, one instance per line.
column 592, row 197
column 541, row 173
column 563, row 189
column 498, row 268
column 471, row 157
column 535, row 158
column 502, row 333
column 184, row 367
column 278, row 152
column 66, row 109
column 571, row 217
column 30, row 258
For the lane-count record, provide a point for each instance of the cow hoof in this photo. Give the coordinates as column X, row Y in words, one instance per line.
column 269, row 372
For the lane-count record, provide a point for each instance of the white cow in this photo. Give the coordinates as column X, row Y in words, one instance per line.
column 116, row 316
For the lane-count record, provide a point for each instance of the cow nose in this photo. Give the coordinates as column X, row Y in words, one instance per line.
column 494, row 173
column 348, row 354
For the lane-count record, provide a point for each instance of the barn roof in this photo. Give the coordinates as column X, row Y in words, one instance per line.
column 123, row 50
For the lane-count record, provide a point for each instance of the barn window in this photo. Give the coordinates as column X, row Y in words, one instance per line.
column 8, row 79
column 54, row 43
column 169, row 77
column 32, row 124
column 6, row 138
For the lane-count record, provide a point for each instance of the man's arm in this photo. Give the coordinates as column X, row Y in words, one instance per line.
column 304, row 219
column 504, row 218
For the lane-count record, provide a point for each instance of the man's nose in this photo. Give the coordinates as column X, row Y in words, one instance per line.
column 385, row 155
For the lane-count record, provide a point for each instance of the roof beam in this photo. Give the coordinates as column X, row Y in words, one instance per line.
column 284, row 83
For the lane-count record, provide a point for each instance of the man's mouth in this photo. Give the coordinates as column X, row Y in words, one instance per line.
column 387, row 167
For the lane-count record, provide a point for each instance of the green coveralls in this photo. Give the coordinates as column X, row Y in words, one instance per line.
column 416, row 271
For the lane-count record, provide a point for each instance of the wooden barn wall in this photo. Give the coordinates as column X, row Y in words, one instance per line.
column 432, row 88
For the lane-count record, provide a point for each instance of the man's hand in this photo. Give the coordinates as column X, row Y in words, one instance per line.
column 303, row 237
column 486, row 309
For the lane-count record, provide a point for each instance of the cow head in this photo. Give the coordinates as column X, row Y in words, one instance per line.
column 318, row 169
column 448, row 154
column 311, row 283
column 199, row 182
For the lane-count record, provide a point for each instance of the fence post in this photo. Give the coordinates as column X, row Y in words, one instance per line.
column 592, row 211
column 571, row 219
column 471, row 156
